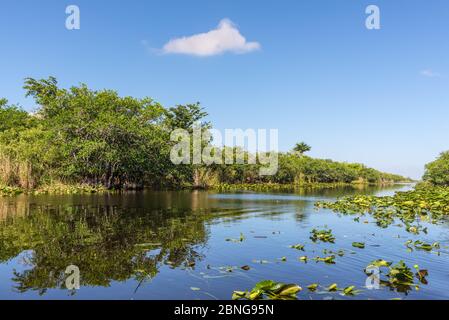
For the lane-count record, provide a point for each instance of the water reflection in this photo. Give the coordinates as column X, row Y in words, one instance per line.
column 106, row 242
column 131, row 236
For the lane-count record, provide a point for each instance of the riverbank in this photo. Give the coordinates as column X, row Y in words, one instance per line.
column 285, row 187
column 61, row 188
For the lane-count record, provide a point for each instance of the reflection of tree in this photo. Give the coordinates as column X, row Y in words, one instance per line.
column 107, row 243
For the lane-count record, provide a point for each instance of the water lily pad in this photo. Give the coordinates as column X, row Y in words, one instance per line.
column 359, row 245
column 322, row 235
column 422, row 245
column 328, row 260
column 269, row 289
column 238, row 295
column 312, row 287
column 298, row 247
column 332, row 288
column 380, row 263
column 350, row 291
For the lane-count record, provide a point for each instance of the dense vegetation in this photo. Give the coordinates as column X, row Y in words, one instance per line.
column 79, row 136
column 92, row 137
column 437, row 172
column 428, row 201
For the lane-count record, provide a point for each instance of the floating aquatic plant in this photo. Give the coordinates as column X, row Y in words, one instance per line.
column 421, row 274
column 322, row 235
column 339, row 253
column 350, row 291
column 360, row 245
column 420, row 245
column 429, row 204
column 298, row 247
column 269, row 289
column 332, row 288
column 328, row 260
column 399, row 276
column 241, row 239
column 312, row 287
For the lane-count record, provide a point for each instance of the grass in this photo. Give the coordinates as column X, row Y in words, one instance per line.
column 285, row 187
column 6, row 191
column 57, row 188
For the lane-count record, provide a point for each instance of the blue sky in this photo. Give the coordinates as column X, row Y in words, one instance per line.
column 378, row 97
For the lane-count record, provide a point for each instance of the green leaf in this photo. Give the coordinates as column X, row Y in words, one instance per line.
column 289, row 289
column 265, row 285
column 238, row 295
column 271, row 290
column 333, row 287
column 322, row 235
column 350, row 291
column 255, row 294
column 380, row 263
column 360, row 245
column 298, row 247
column 312, row 287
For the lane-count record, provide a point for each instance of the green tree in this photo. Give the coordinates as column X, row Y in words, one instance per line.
column 102, row 138
column 437, row 172
column 301, row 148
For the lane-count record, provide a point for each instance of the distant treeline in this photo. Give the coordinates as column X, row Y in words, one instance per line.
column 82, row 136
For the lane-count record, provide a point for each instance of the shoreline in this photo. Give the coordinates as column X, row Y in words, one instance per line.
column 67, row 189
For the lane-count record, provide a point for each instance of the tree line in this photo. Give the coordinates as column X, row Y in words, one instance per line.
column 98, row 138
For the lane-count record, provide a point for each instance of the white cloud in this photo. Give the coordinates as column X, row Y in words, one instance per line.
column 225, row 38
column 430, row 73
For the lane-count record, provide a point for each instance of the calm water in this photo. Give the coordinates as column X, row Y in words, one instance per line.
column 172, row 245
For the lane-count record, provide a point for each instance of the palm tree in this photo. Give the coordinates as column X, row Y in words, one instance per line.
column 301, row 148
